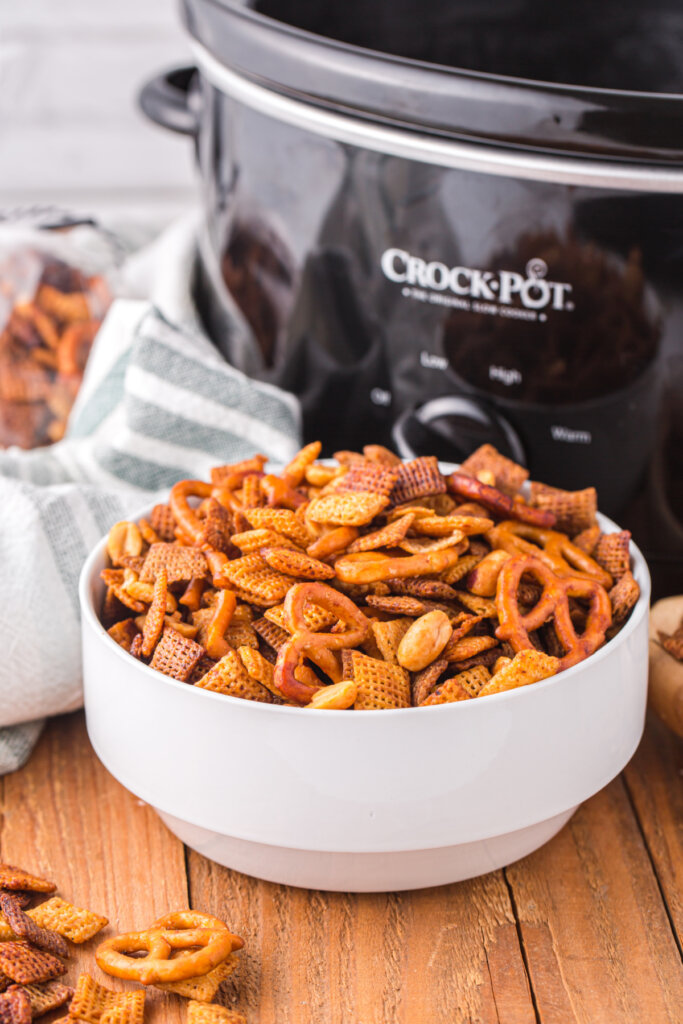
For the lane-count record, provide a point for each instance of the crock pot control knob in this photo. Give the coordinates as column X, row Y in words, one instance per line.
column 170, row 99
column 451, row 427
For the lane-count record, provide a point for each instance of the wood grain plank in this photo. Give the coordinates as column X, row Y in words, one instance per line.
column 64, row 816
column 654, row 779
column 441, row 955
column 598, row 942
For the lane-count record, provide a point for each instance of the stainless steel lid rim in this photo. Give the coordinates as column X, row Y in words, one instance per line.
column 431, row 149
column 626, row 124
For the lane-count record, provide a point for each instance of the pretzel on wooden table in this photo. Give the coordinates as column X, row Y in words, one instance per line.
column 201, row 950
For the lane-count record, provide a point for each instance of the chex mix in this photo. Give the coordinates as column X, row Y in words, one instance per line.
column 367, row 584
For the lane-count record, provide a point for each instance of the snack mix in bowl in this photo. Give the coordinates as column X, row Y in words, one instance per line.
column 369, row 584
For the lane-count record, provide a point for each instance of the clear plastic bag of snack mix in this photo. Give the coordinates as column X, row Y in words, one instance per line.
column 56, row 274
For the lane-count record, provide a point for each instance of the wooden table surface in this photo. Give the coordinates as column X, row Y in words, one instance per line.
column 586, row 929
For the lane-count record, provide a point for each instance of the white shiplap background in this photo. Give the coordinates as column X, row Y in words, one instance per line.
column 70, row 131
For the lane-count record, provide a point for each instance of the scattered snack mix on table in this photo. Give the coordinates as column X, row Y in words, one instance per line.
column 188, row 954
column 370, row 584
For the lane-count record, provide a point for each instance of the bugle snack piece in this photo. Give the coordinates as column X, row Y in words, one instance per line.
column 230, row 677
column 278, row 586
column 527, row 666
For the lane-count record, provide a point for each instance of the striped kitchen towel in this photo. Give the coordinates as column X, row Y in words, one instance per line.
column 157, row 404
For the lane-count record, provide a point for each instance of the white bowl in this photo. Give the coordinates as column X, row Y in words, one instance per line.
column 365, row 801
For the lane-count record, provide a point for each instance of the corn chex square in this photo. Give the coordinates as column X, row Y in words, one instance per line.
column 182, row 564
column 350, row 508
column 369, row 476
column 75, row 924
column 251, row 576
column 280, row 520
column 380, row 685
column 92, row 1001
column 271, row 633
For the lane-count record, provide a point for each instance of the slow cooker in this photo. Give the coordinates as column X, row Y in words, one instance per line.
column 440, row 224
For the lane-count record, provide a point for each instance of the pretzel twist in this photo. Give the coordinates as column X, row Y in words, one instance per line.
column 317, row 646
column 553, row 603
column 551, row 547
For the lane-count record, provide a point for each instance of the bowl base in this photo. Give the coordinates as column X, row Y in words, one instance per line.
column 366, row 872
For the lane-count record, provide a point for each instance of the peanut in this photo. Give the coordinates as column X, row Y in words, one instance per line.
column 124, row 540
column 337, row 697
column 484, row 577
column 424, row 641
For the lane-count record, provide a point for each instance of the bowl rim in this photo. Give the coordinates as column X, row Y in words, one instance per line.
column 87, row 587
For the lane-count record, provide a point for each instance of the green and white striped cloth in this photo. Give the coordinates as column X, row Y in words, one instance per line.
column 158, row 404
